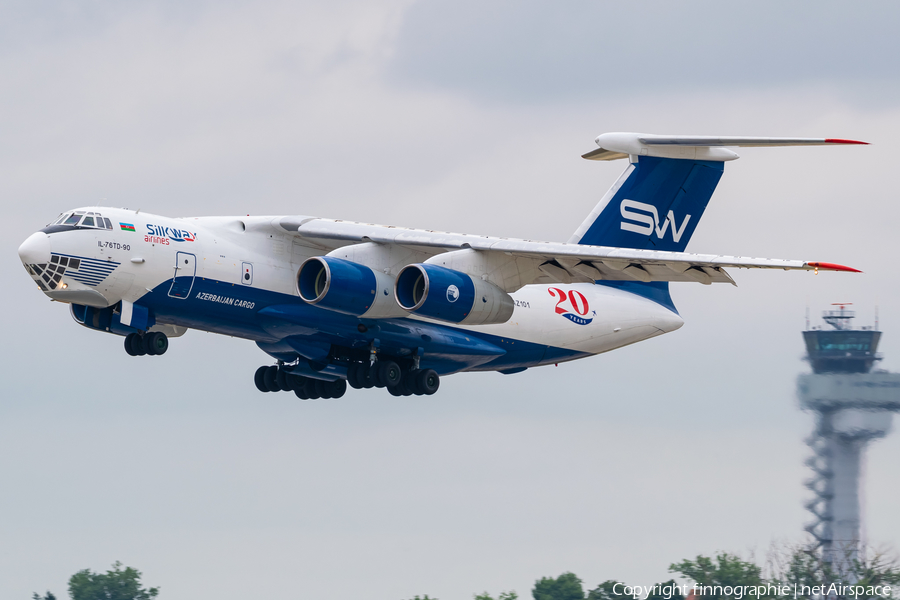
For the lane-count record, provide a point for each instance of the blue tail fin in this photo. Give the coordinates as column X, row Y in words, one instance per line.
column 655, row 205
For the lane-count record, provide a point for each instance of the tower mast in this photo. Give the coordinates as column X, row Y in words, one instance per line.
column 853, row 405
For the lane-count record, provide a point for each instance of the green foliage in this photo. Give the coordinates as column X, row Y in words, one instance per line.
column 877, row 570
column 565, row 587
column 804, row 568
column 510, row 595
column 606, row 591
column 726, row 570
column 788, row 567
column 615, row 590
column 668, row 590
column 425, row 597
column 47, row 596
column 115, row 584
column 799, row 567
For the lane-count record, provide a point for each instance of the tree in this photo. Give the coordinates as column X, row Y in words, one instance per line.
column 510, row 595
column 47, row 596
column 727, row 570
column 115, row 584
column 804, row 567
column 565, row 587
column 608, row 590
column 668, row 590
column 615, row 590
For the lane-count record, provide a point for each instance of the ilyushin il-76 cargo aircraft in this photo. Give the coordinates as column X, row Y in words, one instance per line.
column 337, row 302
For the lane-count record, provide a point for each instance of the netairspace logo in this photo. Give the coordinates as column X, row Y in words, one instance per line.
column 737, row 592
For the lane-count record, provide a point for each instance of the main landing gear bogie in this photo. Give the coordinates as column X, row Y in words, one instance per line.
column 154, row 343
column 277, row 379
column 398, row 380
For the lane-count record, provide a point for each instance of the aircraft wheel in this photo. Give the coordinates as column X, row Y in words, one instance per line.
column 302, row 387
column 428, row 381
column 313, row 390
column 137, row 345
column 129, row 340
column 376, row 374
column 157, row 343
column 322, row 390
column 269, row 379
column 397, row 390
column 259, row 378
column 337, row 388
column 295, row 382
column 406, row 384
column 353, row 376
column 366, row 376
column 281, row 380
column 389, row 373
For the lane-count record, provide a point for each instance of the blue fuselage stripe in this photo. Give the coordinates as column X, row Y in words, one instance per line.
column 236, row 310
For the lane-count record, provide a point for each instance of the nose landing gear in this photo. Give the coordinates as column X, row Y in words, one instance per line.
column 154, row 343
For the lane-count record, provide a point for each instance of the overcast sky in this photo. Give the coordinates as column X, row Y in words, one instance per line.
column 464, row 116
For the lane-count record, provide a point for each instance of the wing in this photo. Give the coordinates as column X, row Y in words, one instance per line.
column 512, row 263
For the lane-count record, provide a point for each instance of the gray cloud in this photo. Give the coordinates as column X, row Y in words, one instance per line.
column 526, row 52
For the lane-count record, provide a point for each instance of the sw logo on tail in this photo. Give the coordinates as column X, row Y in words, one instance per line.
column 650, row 222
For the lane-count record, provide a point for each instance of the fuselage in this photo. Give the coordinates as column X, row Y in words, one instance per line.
column 237, row 276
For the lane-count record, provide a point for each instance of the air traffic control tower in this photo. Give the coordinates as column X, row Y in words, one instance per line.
column 853, row 405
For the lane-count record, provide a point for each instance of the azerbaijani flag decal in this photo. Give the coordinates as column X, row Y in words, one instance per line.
column 126, row 226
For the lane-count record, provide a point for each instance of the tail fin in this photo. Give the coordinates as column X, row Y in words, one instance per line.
column 659, row 199
column 655, row 205
column 657, row 202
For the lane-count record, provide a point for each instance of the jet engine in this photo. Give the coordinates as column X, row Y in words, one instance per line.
column 347, row 287
column 448, row 295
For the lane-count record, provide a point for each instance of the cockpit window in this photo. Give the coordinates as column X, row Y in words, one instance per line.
column 83, row 220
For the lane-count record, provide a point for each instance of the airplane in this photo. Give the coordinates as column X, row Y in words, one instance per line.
column 338, row 303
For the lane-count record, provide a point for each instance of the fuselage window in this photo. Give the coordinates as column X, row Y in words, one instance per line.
column 72, row 220
column 108, row 224
column 88, row 222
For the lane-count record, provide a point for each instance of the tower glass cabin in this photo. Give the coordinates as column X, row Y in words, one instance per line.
column 841, row 349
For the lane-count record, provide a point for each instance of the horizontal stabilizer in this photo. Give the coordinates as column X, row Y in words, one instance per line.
column 613, row 146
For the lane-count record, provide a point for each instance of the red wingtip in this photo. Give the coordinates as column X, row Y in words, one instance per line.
column 840, row 141
column 832, row 267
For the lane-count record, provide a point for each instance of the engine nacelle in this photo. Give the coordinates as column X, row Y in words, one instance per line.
column 347, row 287
column 448, row 295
